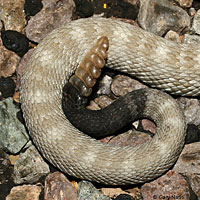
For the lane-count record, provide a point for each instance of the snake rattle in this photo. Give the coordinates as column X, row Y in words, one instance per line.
column 158, row 62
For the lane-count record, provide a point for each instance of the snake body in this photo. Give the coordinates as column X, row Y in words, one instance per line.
column 158, row 62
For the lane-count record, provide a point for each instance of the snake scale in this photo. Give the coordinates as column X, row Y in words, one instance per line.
column 158, row 62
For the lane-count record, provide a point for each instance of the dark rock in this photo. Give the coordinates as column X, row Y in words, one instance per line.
column 8, row 61
column 57, row 186
column 32, row 7
column 161, row 16
column 6, row 173
column 193, row 134
column 84, row 8
column 196, row 4
column 124, row 197
column 15, row 41
column 7, row 87
column 117, row 8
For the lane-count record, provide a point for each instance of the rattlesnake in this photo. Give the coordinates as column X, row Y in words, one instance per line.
column 161, row 63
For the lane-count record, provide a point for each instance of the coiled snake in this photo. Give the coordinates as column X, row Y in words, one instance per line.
column 161, row 63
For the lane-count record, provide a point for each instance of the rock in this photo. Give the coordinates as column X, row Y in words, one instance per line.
column 172, row 35
column 6, row 173
column 196, row 23
column 84, row 8
column 12, row 14
column 54, row 14
column 188, row 164
column 25, row 192
column 191, row 109
column 119, row 194
column 87, row 191
column 30, row 167
column 191, row 39
column 8, row 61
column 93, row 106
column 185, row 3
column 129, row 138
column 103, row 101
column 127, row 9
column 148, row 125
column 13, row 135
column 160, row 16
column 7, row 87
column 194, row 180
column 104, row 85
column 121, row 85
column 192, row 12
column 57, row 186
column 124, row 197
column 169, row 186
column 31, row 8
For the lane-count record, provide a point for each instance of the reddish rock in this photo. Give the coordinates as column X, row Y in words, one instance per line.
column 130, row 138
column 103, row 101
column 121, row 85
column 54, row 14
column 169, row 186
column 149, row 125
column 57, row 186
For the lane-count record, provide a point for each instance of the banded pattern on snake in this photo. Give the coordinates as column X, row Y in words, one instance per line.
column 157, row 61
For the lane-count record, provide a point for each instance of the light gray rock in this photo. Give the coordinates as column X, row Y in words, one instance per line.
column 190, row 39
column 191, row 109
column 196, row 23
column 13, row 136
